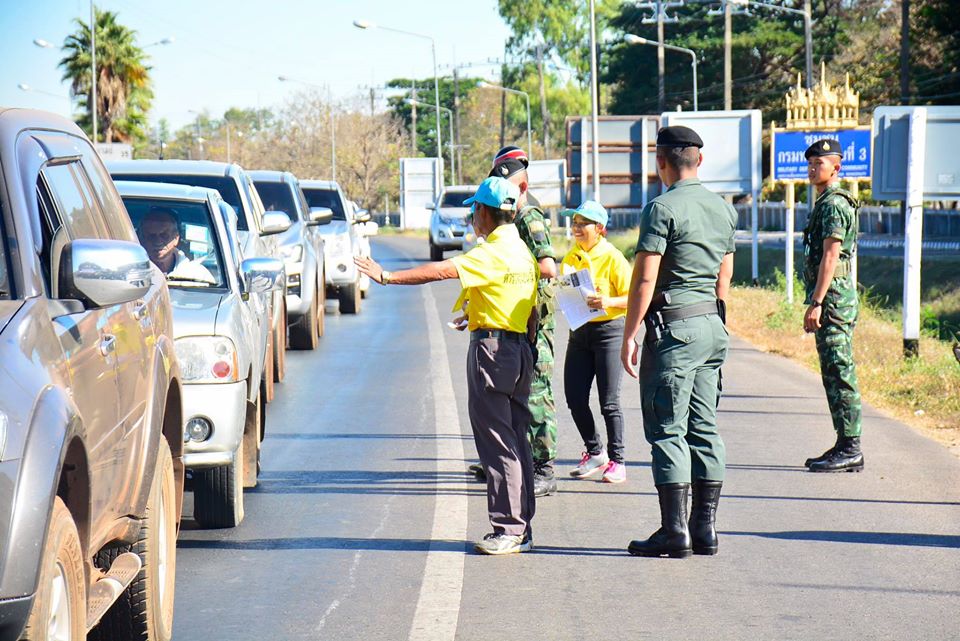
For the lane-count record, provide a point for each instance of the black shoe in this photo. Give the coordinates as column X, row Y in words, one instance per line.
column 673, row 537
column 544, row 482
column 477, row 470
column 824, row 456
column 848, row 457
column 703, row 516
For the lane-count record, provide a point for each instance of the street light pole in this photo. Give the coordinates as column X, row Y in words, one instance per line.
column 93, row 70
column 365, row 24
column 637, row 40
column 487, row 85
column 595, row 103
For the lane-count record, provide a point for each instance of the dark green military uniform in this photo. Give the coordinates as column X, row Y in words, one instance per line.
column 532, row 226
column 835, row 216
column 692, row 228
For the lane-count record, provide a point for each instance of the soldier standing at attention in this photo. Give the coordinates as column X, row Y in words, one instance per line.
column 499, row 280
column 829, row 242
column 681, row 277
column 511, row 163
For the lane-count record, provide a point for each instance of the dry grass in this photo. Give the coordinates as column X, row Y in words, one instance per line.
column 924, row 392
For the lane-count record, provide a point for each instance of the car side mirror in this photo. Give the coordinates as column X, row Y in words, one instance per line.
column 263, row 274
column 274, row 222
column 361, row 216
column 320, row 215
column 369, row 228
column 101, row 273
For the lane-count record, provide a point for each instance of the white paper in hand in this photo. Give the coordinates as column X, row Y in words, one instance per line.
column 572, row 298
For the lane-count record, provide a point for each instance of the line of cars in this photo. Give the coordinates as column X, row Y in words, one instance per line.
column 145, row 310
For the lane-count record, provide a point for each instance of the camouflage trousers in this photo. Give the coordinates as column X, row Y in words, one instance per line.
column 835, row 348
column 543, row 424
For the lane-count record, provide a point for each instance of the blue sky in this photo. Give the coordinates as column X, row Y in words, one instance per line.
column 230, row 53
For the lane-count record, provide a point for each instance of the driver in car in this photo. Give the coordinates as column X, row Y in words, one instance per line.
column 160, row 236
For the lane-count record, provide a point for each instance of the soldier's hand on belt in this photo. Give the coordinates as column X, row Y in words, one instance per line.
column 811, row 319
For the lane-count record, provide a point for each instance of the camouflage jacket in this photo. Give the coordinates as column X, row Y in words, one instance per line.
column 834, row 216
column 532, row 226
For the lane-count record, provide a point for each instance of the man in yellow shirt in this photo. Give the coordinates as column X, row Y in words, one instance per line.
column 499, row 279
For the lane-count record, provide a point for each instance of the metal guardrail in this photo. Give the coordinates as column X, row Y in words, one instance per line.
column 937, row 223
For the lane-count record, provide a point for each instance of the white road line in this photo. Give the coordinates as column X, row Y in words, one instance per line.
column 438, row 608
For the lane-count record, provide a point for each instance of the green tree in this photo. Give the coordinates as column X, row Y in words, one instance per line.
column 123, row 78
column 935, row 44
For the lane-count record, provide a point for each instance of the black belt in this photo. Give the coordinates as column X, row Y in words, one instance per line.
column 502, row 334
column 658, row 320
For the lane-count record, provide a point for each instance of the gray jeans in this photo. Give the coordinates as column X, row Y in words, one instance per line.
column 499, row 371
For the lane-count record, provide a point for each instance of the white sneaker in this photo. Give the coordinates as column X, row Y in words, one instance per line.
column 589, row 465
column 502, row 544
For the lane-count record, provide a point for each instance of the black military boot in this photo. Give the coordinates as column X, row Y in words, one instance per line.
column 825, row 455
column 544, row 482
column 673, row 537
column 703, row 516
column 848, row 457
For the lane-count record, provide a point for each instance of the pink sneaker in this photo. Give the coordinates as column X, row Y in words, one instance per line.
column 614, row 473
column 589, row 465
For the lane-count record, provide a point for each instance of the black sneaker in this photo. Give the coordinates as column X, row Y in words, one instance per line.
column 544, row 482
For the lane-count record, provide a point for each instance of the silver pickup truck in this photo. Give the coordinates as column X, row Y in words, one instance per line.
column 91, row 424
column 219, row 339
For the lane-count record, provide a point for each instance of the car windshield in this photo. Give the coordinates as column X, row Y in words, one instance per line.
column 226, row 185
column 277, row 197
column 180, row 239
column 454, row 198
column 326, row 198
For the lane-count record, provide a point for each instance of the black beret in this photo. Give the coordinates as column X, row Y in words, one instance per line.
column 511, row 151
column 507, row 168
column 678, row 136
column 825, row 147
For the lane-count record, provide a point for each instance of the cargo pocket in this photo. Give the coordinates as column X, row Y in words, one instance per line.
column 658, row 403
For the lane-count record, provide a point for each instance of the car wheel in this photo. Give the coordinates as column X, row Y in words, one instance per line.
column 280, row 348
column 322, row 306
column 251, row 442
column 350, row 299
column 435, row 252
column 269, row 361
column 145, row 610
column 218, row 494
column 303, row 333
column 59, row 609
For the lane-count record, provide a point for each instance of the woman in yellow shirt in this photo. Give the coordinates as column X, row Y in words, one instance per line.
column 593, row 351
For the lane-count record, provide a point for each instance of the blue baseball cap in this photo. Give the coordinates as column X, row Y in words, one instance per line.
column 495, row 192
column 591, row 210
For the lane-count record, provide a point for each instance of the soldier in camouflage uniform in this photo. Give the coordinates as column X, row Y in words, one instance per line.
column 511, row 163
column 829, row 242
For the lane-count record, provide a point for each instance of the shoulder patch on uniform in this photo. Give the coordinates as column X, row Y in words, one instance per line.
column 536, row 226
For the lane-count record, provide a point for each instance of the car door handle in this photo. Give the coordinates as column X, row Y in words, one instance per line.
column 108, row 344
column 140, row 311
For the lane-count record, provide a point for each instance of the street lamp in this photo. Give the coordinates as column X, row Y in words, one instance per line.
column 453, row 165
column 22, row 86
column 43, row 44
column 631, row 39
column 486, row 85
column 333, row 128
column 366, row 24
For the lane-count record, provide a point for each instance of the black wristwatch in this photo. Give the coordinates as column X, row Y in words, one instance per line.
column 816, row 303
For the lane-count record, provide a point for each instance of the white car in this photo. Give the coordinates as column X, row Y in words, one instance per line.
column 448, row 223
column 220, row 337
column 346, row 236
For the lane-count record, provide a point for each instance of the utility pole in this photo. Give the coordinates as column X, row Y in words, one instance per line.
column 93, row 70
column 503, row 119
column 544, row 111
column 904, row 52
column 661, row 88
column 373, row 97
column 413, row 115
column 727, row 56
column 456, row 122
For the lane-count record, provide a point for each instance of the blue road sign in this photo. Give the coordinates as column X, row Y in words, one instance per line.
column 788, row 148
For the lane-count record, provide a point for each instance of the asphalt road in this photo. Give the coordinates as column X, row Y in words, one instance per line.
column 363, row 524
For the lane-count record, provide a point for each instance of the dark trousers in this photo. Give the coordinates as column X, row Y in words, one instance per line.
column 498, row 382
column 593, row 352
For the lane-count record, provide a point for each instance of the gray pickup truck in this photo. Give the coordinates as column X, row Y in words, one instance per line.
column 91, row 425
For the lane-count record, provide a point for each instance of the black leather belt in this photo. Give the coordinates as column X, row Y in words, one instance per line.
column 657, row 321
column 502, row 334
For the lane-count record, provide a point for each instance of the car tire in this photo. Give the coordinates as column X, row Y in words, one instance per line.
column 350, row 299
column 267, row 377
column 435, row 252
column 218, row 494
column 280, row 348
column 251, row 442
column 144, row 612
column 303, row 333
column 61, row 570
column 322, row 305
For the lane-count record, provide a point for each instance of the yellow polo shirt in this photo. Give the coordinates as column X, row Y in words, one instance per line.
column 499, row 280
column 608, row 268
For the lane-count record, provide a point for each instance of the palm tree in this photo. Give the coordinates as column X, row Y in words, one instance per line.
column 123, row 78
